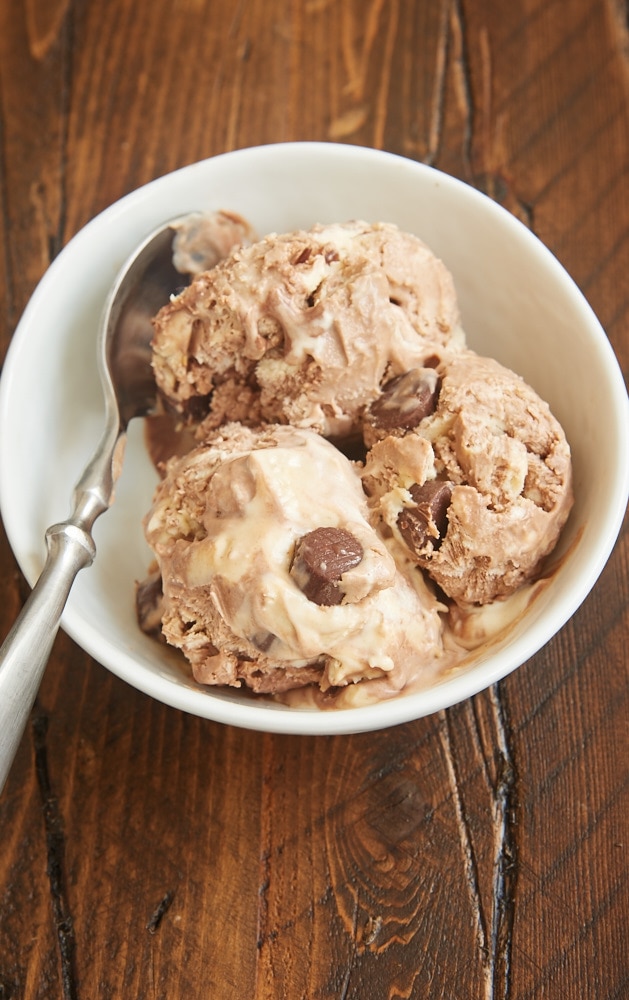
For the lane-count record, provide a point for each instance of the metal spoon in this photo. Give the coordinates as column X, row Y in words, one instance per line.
column 124, row 357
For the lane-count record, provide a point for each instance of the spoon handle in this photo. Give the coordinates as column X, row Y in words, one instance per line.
column 26, row 649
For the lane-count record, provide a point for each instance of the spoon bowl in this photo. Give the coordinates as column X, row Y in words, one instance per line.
column 124, row 358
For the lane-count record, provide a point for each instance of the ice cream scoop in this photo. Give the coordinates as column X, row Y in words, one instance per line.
column 471, row 473
column 124, row 357
column 302, row 328
column 271, row 582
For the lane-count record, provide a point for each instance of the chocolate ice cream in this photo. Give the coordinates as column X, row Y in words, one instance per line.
column 284, row 565
column 204, row 238
column 272, row 574
column 471, row 473
column 303, row 328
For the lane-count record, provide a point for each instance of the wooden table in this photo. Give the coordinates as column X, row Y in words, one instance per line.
column 478, row 853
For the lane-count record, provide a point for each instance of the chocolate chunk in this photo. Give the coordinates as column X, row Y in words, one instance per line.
column 406, row 400
column 149, row 604
column 303, row 256
column 263, row 641
column 432, row 361
column 195, row 408
column 321, row 557
column 423, row 526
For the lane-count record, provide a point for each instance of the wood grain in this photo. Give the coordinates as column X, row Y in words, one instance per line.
column 479, row 853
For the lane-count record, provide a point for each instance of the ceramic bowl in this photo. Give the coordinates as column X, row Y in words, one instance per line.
column 517, row 303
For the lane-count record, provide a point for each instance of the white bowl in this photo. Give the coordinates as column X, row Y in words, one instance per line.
column 517, row 302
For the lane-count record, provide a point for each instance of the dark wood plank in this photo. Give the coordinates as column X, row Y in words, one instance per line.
column 34, row 56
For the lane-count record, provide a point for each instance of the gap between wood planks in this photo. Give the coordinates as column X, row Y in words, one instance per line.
column 494, row 933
